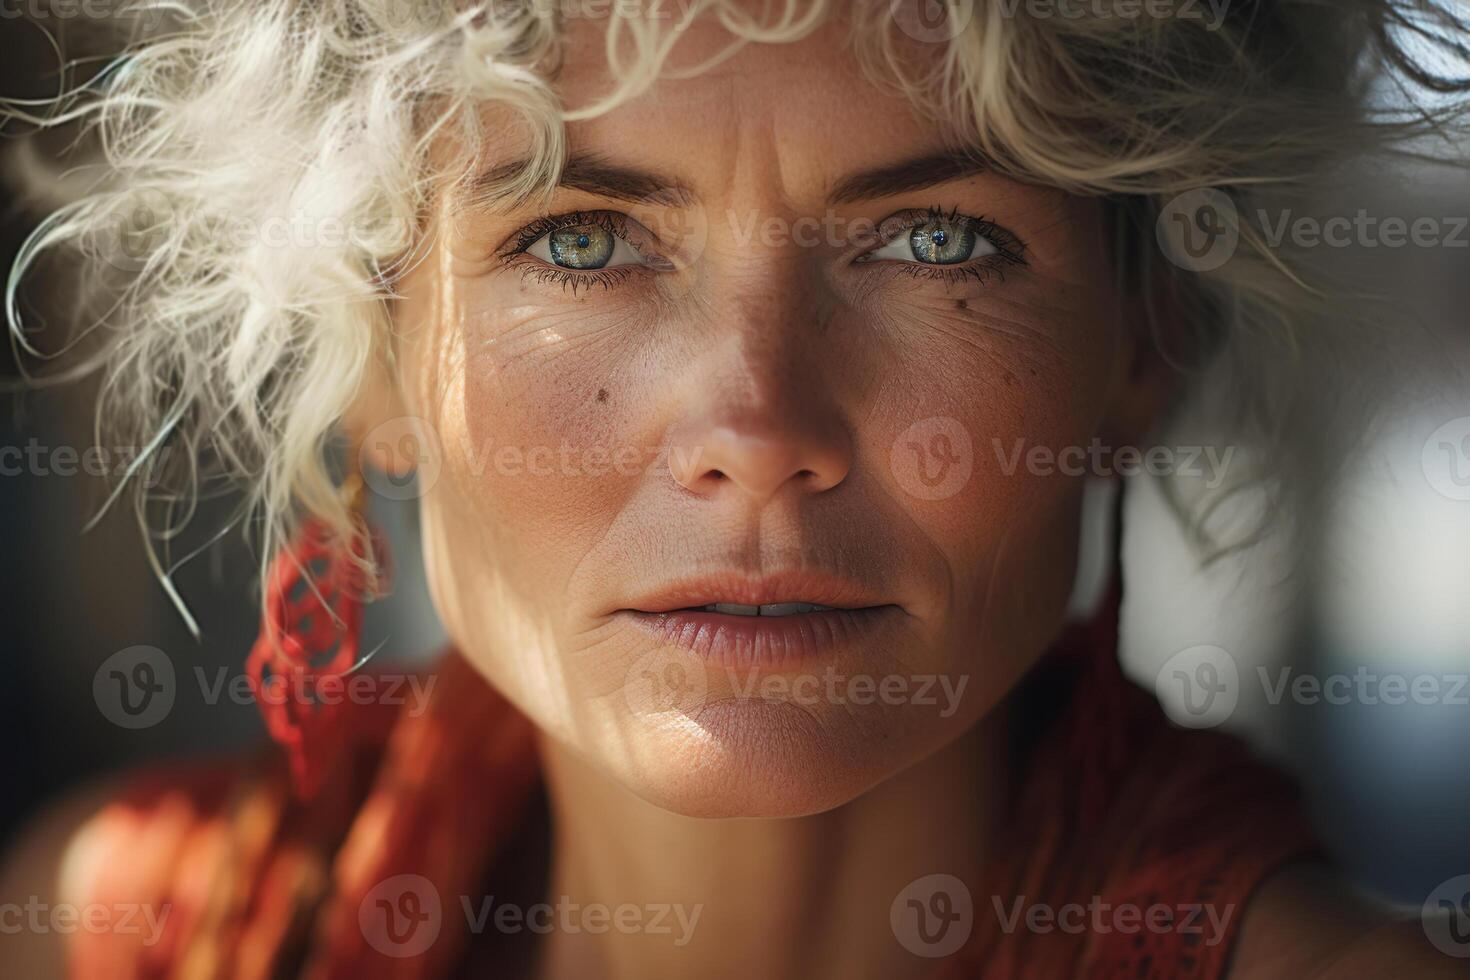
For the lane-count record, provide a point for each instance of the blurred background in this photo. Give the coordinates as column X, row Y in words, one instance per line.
column 1379, row 588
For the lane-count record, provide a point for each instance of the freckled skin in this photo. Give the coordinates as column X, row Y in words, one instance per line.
column 786, row 351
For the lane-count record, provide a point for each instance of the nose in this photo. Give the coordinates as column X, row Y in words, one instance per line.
column 764, row 419
column 756, row 452
column 763, row 410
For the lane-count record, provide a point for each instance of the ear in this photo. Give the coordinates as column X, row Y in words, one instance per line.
column 376, row 419
column 1146, row 383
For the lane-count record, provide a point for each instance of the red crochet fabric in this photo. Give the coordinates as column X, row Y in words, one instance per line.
column 1117, row 808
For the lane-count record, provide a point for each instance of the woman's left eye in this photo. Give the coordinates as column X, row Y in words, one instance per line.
column 584, row 247
column 948, row 244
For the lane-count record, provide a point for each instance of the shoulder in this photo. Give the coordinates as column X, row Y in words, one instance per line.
column 30, row 879
column 1305, row 921
column 89, row 875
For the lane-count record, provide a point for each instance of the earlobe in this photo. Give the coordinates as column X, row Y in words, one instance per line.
column 1146, row 384
column 376, row 420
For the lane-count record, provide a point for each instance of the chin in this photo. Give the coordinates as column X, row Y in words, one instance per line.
column 750, row 758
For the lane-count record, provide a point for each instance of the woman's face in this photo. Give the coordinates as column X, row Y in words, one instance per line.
column 770, row 346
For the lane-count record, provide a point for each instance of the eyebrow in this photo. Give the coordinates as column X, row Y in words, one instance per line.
column 907, row 175
column 596, row 176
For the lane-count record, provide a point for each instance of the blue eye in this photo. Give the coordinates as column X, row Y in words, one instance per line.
column 584, row 247
column 937, row 241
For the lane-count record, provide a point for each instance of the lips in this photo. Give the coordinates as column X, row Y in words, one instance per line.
column 775, row 621
column 769, row 609
column 739, row 593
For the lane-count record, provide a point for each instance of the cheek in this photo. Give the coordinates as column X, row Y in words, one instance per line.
column 981, row 390
column 977, row 405
column 546, row 427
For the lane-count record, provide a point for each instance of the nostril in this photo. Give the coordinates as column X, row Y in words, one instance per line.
column 717, row 475
column 806, row 474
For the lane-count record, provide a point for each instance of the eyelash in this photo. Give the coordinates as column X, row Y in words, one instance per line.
column 1009, row 251
column 541, row 273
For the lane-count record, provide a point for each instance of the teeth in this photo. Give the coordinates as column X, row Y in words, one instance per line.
column 733, row 609
column 769, row 609
column 789, row 608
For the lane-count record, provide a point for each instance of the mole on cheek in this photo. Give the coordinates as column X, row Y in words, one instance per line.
column 602, row 394
column 960, row 304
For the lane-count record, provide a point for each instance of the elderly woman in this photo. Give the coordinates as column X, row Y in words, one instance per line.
column 692, row 328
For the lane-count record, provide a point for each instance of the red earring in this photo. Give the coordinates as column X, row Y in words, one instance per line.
column 310, row 635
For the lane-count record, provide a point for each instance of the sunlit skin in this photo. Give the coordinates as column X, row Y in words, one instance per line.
column 757, row 388
column 773, row 371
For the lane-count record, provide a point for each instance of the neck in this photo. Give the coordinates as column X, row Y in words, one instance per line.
column 796, row 897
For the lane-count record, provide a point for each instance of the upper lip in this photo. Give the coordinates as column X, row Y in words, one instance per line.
column 796, row 586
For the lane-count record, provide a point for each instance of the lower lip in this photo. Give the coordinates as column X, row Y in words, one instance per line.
column 765, row 641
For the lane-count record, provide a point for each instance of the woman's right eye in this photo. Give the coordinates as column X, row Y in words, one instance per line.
column 584, row 247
